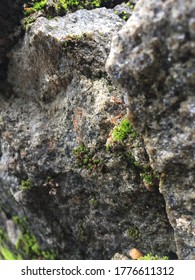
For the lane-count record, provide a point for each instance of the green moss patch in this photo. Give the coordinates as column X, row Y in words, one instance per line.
column 123, row 130
column 64, row 6
column 7, row 254
column 25, row 185
column 153, row 257
column 86, row 158
column 28, row 245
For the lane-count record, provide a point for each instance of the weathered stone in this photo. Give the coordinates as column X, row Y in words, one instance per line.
column 153, row 58
column 82, row 201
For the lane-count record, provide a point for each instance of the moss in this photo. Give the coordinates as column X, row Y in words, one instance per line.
column 133, row 232
column 131, row 5
column 93, row 202
column 81, row 231
column 85, row 158
column 64, row 6
column 2, row 235
column 150, row 178
column 35, row 6
column 123, row 130
column 39, row 5
column 27, row 21
column 124, row 15
column 72, row 41
column 7, row 254
column 27, row 244
column 25, row 185
column 75, row 4
column 153, row 257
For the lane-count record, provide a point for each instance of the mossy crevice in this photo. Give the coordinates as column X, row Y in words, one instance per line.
column 126, row 140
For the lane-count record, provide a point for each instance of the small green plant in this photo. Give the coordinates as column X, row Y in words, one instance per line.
column 7, row 254
column 2, row 235
column 93, row 202
column 25, row 185
column 124, row 15
column 133, row 232
column 27, row 21
column 73, row 5
column 65, row 6
column 150, row 178
column 85, row 158
column 131, row 5
column 37, row 6
column 153, row 257
column 123, row 130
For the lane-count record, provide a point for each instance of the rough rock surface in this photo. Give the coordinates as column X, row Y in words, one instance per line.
column 87, row 203
column 153, row 58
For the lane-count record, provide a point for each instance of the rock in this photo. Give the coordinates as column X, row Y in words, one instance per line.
column 152, row 57
column 80, row 198
column 118, row 257
column 13, row 231
column 135, row 254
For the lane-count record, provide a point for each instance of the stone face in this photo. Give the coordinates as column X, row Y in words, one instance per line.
column 81, row 200
column 52, row 73
column 153, row 58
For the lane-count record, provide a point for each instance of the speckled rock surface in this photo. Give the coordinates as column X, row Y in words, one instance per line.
column 153, row 58
column 83, row 201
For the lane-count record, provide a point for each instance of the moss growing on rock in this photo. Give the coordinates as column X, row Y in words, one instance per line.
column 64, row 6
column 27, row 244
column 150, row 179
column 123, row 130
column 149, row 256
column 133, row 232
column 25, row 185
column 86, row 158
column 7, row 254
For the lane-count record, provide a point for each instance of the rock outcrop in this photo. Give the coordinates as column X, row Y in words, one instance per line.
column 82, row 198
column 153, row 58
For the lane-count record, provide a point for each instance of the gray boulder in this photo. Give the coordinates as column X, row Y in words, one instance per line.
column 81, row 199
column 153, row 58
